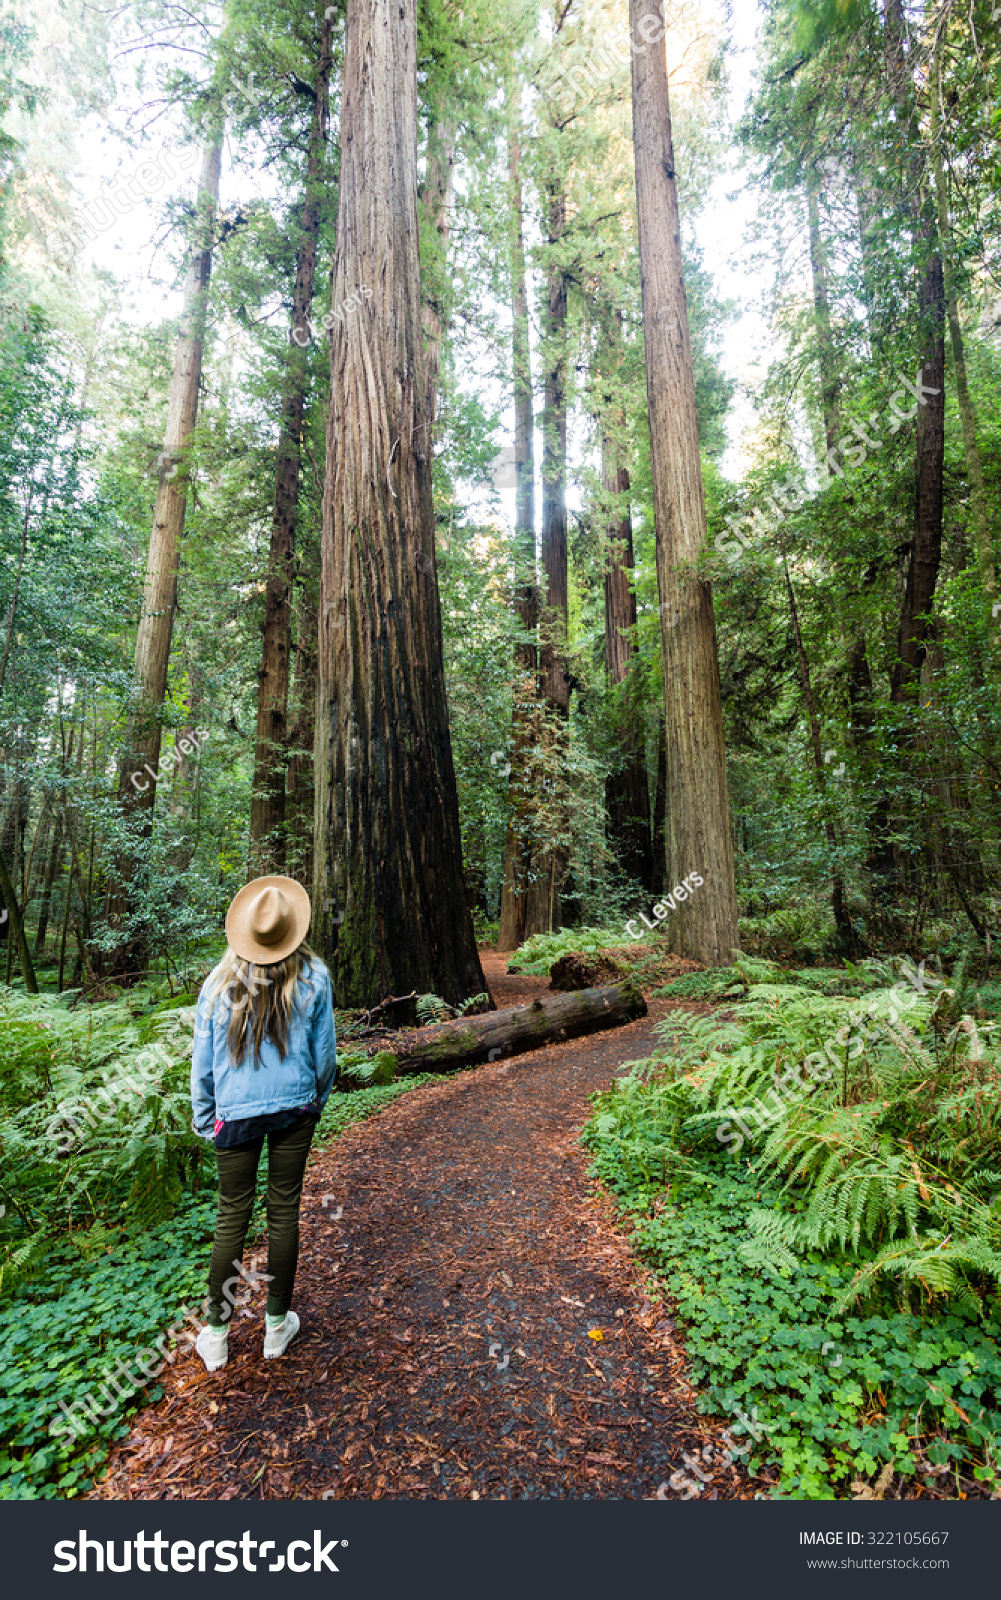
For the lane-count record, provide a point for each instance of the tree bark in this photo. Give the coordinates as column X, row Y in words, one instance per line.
column 544, row 912
column 555, row 683
column 388, row 846
column 39, row 849
column 51, row 871
column 12, row 608
column 56, row 853
column 830, row 390
column 517, row 848
column 925, row 551
column 271, row 754
column 517, row 1029
column 301, row 741
column 842, row 921
column 830, row 384
column 183, row 774
column 16, row 926
column 141, row 753
column 982, row 541
column 926, row 546
column 699, row 837
column 658, row 874
column 627, row 792
column 436, row 196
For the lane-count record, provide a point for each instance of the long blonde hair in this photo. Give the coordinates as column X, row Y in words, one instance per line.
column 261, row 999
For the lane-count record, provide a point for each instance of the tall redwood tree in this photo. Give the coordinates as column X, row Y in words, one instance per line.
column 698, row 834
column 272, row 749
column 390, row 909
column 141, row 753
column 517, row 849
column 627, row 790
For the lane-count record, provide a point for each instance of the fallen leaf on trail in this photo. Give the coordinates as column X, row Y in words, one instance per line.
column 595, row 1333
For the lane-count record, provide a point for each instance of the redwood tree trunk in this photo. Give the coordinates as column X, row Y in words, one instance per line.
column 842, row 921
column 16, row 936
column 699, row 837
column 926, row 547
column 554, row 471
column 184, row 774
column 543, row 912
column 271, row 753
column 388, row 851
column 982, row 539
column 141, row 752
column 517, row 849
column 658, row 874
column 627, row 793
column 299, row 783
column 830, row 383
column 53, row 864
column 437, row 199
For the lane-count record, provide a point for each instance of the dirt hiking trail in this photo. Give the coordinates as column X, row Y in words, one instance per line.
column 450, row 1316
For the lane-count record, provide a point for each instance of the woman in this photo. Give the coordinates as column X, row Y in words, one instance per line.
column 264, row 1062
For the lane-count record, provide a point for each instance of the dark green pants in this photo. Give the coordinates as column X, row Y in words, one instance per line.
column 287, row 1152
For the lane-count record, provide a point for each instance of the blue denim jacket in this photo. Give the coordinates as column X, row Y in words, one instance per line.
column 221, row 1088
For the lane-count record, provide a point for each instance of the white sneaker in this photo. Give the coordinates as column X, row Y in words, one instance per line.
column 213, row 1347
column 277, row 1340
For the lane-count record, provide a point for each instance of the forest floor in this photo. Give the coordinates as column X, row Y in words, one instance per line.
column 473, row 1322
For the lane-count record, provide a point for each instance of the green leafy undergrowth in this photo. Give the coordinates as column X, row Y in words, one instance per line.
column 102, row 1294
column 95, row 1122
column 707, row 985
column 537, row 954
column 832, row 1396
column 64, row 1331
column 858, row 1204
column 882, row 1118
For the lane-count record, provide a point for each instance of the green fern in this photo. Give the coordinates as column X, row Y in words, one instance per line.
column 891, row 1146
column 431, row 1008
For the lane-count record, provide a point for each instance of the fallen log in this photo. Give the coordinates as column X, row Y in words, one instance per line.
column 450, row 1045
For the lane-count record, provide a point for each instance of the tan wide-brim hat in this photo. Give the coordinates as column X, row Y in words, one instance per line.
column 268, row 920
